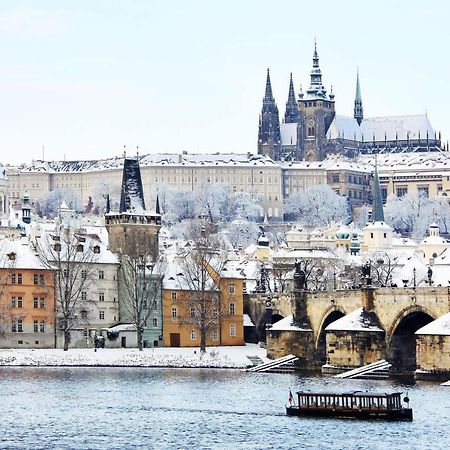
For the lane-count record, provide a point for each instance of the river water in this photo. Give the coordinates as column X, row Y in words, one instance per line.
column 120, row 408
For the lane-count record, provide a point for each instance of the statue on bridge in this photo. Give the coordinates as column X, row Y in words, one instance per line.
column 366, row 278
column 300, row 275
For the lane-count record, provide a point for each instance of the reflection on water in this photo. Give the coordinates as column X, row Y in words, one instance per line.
column 89, row 408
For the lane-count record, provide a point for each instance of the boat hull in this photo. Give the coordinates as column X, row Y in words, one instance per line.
column 404, row 414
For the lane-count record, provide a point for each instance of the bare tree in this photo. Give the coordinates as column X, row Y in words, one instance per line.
column 140, row 284
column 201, row 267
column 73, row 256
column 382, row 266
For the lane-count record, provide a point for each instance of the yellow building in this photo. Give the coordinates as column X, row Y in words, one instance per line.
column 27, row 298
column 224, row 310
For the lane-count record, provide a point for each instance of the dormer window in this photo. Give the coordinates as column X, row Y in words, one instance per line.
column 96, row 249
column 80, row 248
column 57, row 247
column 12, row 256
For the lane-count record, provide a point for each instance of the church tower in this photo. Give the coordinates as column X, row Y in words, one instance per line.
column 358, row 110
column 133, row 230
column 269, row 137
column 291, row 114
column 316, row 112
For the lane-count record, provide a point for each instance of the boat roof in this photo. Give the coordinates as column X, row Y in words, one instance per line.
column 354, row 393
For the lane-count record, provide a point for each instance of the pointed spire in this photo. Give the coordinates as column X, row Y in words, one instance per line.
column 132, row 195
column 377, row 200
column 358, row 110
column 291, row 114
column 157, row 208
column 268, row 95
column 316, row 88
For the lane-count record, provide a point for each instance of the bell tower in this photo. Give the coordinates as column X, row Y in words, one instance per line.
column 316, row 112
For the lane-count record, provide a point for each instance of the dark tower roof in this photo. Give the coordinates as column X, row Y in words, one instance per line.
column 377, row 201
column 358, row 110
column 316, row 88
column 132, row 195
column 291, row 115
column 269, row 124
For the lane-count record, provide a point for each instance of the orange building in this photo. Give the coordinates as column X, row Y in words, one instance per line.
column 224, row 312
column 27, row 298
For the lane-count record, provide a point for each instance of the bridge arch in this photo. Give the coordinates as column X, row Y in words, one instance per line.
column 401, row 338
column 332, row 314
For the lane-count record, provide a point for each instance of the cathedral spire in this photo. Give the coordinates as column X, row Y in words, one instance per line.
column 377, row 201
column 291, row 114
column 358, row 110
column 316, row 88
column 268, row 95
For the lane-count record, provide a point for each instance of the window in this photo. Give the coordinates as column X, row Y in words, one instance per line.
column 83, row 296
column 13, row 278
column 42, row 326
column 41, row 280
column 80, row 248
column 65, row 273
column 83, row 314
column 17, row 326
column 231, row 288
column 422, row 191
column 101, row 315
column 215, row 312
column 232, row 330
column 335, row 178
column 41, row 302
column 193, row 335
column 101, row 275
column 402, row 191
column 215, row 335
column 385, row 235
column 57, row 247
column 36, row 326
column 371, row 235
column 35, row 302
column 192, row 312
column 19, row 278
column 84, row 274
column 155, row 322
column 173, row 295
column 232, row 309
column 101, row 296
column 174, row 313
column 35, row 278
column 96, row 249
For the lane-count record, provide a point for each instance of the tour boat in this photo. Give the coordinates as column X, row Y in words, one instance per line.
column 353, row 404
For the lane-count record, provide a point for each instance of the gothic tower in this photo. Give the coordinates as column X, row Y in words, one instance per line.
column 291, row 114
column 358, row 110
column 133, row 230
column 269, row 137
column 316, row 112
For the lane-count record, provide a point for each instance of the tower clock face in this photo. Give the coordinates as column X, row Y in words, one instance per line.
column 311, row 121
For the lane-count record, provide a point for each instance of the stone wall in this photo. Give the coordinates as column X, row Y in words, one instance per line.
column 433, row 353
column 299, row 343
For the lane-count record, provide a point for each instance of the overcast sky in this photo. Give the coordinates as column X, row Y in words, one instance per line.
column 84, row 78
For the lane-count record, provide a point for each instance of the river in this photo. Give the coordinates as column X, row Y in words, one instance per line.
column 120, row 408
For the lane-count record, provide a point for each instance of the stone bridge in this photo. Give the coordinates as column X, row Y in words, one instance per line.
column 397, row 313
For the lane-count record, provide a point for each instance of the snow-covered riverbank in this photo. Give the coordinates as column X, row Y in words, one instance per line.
column 218, row 357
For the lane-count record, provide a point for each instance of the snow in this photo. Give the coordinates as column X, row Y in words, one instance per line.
column 439, row 327
column 357, row 320
column 447, row 383
column 248, row 321
column 215, row 357
column 288, row 324
column 25, row 256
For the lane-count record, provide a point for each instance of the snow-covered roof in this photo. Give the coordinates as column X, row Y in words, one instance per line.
column 160, row 159
column 288, row 324
column 358, row 320
column 248, row 321
column 332, row 162
column 288, row 133
column 25, row 256
column 440, row 327
column 389, row 128
column 122, row 327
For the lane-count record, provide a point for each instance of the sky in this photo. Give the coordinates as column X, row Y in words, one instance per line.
column 79, row 80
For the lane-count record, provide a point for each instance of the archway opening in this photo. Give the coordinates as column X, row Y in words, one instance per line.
column 321, row 342
column 402, row 348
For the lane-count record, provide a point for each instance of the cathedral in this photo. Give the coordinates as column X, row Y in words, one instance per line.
column 311, row 129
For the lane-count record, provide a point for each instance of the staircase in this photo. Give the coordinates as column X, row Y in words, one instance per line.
column 255, row 360
column 283, row 364
column 376, row 371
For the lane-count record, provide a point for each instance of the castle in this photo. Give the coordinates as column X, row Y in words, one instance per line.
column 311, row 129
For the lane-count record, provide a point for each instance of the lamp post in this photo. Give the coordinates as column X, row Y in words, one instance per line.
column 414, row 277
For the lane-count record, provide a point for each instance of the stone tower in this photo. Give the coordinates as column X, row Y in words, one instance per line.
column 316, row 112
column 358, row 110
column 291, row 114
column 132, row 230
column 269, row 137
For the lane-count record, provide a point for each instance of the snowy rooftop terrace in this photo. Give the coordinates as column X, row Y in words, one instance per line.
column 432, row 161
column 160, row 159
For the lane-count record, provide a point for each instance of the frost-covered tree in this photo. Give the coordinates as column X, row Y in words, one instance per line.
column 212, row 202
column 100, row 191
column 410, row 214
column 242, row 233
column 182, row 206
column 246, row 205
column 441, row 213
column 319, row 205
column 49, row 203
column 363, row 217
